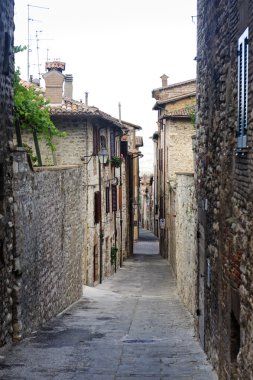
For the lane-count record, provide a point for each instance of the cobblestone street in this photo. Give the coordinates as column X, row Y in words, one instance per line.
column 133, row 326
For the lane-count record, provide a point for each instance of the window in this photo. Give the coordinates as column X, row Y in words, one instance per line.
column 243, row 53
column 107, row 199
column 97, row 207
column 114, row 198
column 112, row 143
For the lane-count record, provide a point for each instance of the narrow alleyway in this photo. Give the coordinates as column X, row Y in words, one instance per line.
column 132, row 326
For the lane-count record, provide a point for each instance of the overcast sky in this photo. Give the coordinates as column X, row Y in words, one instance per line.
column 115, row 49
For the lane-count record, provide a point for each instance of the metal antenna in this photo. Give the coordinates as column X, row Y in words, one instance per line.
column 28, row 35
column 38, row 54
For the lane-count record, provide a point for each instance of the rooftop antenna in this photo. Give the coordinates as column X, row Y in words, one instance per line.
column 28, row 35
column 38, row 54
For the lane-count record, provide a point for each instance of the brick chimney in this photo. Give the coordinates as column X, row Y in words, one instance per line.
column 164, row 78
column 54, row 81
column 68, row 86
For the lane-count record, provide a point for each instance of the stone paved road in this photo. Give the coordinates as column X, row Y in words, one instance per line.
column 132, row 326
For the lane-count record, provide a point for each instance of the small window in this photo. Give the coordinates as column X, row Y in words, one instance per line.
column 112, row 143
column 97, row 207
column 114, row 198
column 243, row 54
column 107, row 199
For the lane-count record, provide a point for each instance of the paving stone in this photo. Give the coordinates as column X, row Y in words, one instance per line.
column 132, row 326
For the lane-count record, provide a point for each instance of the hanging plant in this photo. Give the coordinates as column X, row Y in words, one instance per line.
column 114, row 251
column 116, row 161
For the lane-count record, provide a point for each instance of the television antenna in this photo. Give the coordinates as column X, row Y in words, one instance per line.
column 29, row 19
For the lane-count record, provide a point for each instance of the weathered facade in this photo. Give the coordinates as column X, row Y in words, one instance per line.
column 224, row 184
column 147, row 202
column 173, row 183
column 109, row 189
column 49, row 230
column 7, row 273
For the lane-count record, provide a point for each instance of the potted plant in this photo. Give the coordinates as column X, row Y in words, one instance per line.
column 116, row 161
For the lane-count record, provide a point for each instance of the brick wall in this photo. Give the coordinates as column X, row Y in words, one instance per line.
column 6, row 197
column 49, row 227
column 224, row 187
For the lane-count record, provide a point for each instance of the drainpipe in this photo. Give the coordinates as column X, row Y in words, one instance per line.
column 121, row 221
column 101, row 236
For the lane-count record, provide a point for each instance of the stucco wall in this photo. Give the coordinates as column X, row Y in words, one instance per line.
column 49, row 227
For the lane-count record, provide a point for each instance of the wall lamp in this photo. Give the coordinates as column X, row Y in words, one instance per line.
column 102, row 156
column 114, row 181
column 138, row 155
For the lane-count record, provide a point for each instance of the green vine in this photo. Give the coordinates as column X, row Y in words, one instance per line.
column 31, row 110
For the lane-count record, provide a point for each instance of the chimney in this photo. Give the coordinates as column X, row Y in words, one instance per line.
column 54, row 81
column 164, row 78
column 86, row 98
column 68, row 86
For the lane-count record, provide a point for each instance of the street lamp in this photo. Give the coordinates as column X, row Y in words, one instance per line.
column 103, row 156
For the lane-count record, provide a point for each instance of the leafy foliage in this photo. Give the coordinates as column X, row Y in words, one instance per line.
column 116, row 161
column 31, row 109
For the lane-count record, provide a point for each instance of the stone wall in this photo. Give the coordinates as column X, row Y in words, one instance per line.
column 179, row 147
column 186, row 247
column 7, row 276
column 50, row 235
column 225, row 188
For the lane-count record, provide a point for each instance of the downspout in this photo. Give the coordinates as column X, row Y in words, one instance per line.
column 121, row 221
column 100, row 226
column 164, row 187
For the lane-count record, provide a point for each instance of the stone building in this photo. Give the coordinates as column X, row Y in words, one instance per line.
column 224, row 157
column 107, row 187
column 146, row 202
column 7, row 272
column 174, row 197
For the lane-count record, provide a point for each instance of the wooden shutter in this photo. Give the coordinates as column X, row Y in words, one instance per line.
column 97, row 207
column 161, row 159
column 243, row 56
column 120, row 197
column 114, row 198
column 96, row 140
column 112, row 143
column 107, row 199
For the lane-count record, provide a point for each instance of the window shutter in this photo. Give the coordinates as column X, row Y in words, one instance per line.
column 114, row 198
column 161, row 159
column 120, row 197
column 112, row 143
column 97, row 207
column 107, row 199
column 96, row 141
column 243, row 56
